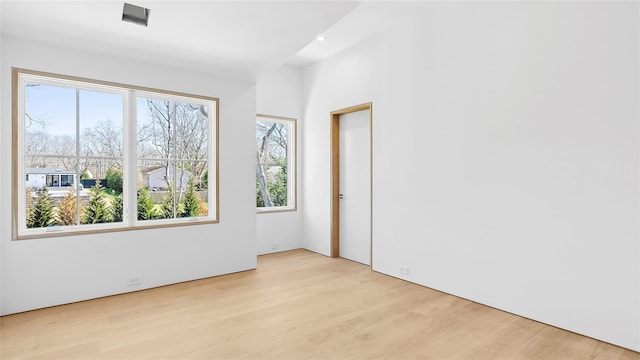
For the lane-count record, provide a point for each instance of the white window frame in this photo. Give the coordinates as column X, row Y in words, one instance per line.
column 129, row 93
column 291, row 162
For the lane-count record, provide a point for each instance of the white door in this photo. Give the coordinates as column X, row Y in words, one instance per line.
column 355, row 187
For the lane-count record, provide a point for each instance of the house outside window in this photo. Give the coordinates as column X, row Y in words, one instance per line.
column 72, row 131
column 275, row 163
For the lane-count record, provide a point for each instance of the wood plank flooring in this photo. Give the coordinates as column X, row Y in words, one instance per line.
column 297, row 305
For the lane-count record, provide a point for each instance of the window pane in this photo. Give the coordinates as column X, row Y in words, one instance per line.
column 272, row 167
column 57, row 155
column 192, row 132
column 50, row 126
column 173, row 140
column 102, row 156
column 49, row 148
column 101, row 128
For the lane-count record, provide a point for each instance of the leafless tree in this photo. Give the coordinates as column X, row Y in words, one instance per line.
column 102, row 147
column 29, row 119
column 106, row 140
column 177, row 134
column 35, row 146
column 191, row 139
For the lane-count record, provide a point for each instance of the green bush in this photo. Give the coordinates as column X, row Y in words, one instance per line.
column 98, row 209
column 41, row 212
column 114, row 179
column 192, row 202
column 146, row 209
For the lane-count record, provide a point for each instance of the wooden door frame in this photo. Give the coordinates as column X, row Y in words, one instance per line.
column 335, row 176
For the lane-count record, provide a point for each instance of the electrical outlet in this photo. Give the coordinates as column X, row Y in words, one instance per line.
column 404, row 270
column 136, row 280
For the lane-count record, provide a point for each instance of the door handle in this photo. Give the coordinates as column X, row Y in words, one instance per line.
column 341, row 196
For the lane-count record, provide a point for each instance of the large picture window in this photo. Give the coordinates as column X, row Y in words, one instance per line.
column 275, row 163
column 96, row 156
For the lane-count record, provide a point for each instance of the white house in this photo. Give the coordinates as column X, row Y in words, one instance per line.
column 158, row 177
column 50, row 178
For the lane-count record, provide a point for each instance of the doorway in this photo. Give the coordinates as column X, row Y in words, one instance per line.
column 351, row 183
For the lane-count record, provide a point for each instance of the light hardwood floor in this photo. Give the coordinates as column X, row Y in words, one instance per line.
column 297, row 305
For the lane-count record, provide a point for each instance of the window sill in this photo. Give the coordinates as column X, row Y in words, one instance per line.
column 61, row 231
column 275, row 210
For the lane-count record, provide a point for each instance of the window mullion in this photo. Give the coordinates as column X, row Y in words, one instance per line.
column 174, row 162
column 78, row 220
column 130, row 160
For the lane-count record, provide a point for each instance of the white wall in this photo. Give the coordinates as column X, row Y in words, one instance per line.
column 3, row 138
column 44, row 272
column 351, row 78
column 280, row 94
column 505, row 141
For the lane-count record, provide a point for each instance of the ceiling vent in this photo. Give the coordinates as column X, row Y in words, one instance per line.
column 135, row 14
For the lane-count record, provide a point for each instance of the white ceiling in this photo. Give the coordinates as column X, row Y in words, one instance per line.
column 240, row 38
column 360, row 24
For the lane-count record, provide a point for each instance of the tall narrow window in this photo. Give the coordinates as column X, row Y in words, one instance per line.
column 95, row 156
column 275, row 163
